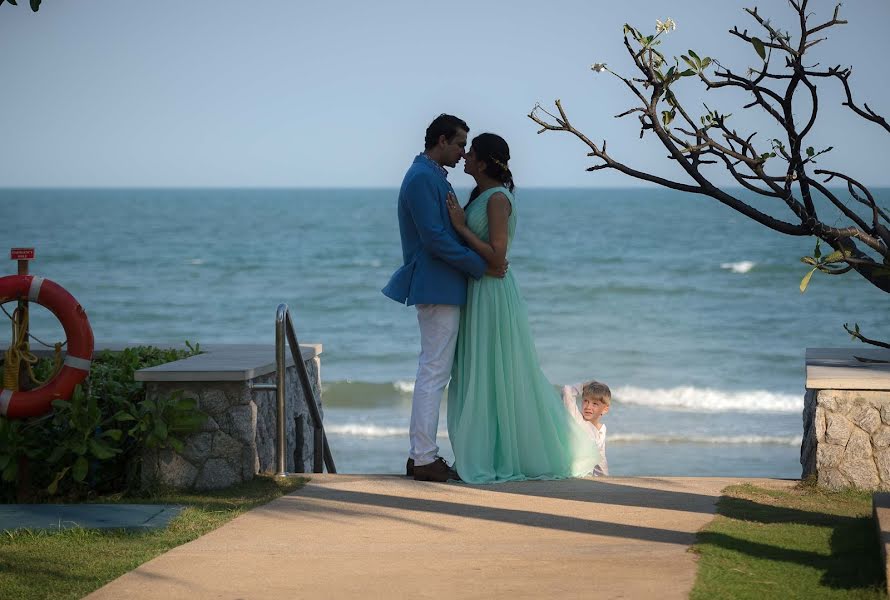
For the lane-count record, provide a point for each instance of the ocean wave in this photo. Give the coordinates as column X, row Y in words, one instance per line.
column 404, row 387
column 791, row 440
column 364, row 430
column 363, row 393
column 359, row 394
column 711, row 400
column 368, row 431
column 367, row 262
column 742, row 266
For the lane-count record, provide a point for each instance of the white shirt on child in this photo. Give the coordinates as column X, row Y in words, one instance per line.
column 597, row 436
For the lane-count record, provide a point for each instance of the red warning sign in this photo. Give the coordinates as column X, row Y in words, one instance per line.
column 21, row 254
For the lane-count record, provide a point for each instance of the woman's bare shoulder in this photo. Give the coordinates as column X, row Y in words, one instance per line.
column 500, row 201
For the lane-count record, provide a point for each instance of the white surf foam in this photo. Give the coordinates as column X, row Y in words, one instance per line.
column 711, row 400
column 691, row 398
column 671, row 438
column 738, row 267
column 364, row 430
column 404, row 387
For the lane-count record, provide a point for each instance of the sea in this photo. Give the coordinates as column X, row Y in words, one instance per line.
column 689, row 311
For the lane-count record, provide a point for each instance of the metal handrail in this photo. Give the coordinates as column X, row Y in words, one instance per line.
column 284, row 330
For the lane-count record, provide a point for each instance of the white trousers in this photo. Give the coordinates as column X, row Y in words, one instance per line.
column 438, row 337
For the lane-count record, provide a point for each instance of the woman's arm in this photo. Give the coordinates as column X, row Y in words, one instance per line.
column 495, row 250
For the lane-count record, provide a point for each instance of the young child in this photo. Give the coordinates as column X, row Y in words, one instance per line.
column 596, row 398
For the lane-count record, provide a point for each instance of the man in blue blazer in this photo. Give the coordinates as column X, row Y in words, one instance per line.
column 434, row 279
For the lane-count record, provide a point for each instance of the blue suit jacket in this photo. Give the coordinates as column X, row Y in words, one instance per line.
column 436, row 261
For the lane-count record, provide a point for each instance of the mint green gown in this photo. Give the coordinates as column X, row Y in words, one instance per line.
column 506, row 421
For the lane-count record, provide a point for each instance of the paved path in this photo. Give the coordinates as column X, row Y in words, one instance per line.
column 385, row 536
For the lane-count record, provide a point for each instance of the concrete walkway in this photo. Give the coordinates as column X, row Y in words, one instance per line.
column 365, row 536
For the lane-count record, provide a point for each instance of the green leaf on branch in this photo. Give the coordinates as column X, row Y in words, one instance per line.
column 834, row 257
column 632, row 31
column 811, row 151
column 806, row 281
column 759, row 47
column 817, row 251
column 54, row 486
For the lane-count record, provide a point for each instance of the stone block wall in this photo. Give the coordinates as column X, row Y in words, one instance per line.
column 238, row 439
column 846, row 439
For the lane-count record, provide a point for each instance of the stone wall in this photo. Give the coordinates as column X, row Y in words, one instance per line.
column 846, row 439
column 238, row 439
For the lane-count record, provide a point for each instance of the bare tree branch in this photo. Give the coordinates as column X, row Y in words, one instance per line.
column 694, row 143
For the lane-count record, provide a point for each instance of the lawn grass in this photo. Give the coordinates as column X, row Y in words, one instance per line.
column 801, row 542
column 72, row 563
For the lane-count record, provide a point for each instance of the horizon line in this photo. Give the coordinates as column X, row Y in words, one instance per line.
column 350, row 187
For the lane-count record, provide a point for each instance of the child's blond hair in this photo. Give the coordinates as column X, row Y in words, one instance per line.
column 597, row 391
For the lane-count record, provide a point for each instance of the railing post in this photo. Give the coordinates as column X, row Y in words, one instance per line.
column 317, row 450
column 284, row 333
column 281, row 369
column 299, row 440
column 310, row 398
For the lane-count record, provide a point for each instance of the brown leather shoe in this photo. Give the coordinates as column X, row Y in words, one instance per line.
column 438, row 470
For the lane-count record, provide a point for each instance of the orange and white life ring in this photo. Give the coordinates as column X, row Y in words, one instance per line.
column 76, row 367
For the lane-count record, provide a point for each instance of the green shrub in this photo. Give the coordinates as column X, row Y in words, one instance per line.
column 93, row 443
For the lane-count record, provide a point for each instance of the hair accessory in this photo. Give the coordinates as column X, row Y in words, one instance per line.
column 500, row 164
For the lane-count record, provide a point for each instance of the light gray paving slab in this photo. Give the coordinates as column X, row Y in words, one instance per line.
column 217, row 362
column 230, row 362
column 86, row 516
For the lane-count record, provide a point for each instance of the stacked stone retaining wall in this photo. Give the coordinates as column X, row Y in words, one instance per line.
column 239, row 438
column 846, row 440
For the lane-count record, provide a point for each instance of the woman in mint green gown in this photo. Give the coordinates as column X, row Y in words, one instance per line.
column 506, row 421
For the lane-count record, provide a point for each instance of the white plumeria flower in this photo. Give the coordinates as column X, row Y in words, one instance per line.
column 668, row 25
column 598, row 67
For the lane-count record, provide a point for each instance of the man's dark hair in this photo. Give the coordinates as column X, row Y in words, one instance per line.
column 446, row 125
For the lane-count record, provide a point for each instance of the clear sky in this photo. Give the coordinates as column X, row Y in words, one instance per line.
column 280, row 93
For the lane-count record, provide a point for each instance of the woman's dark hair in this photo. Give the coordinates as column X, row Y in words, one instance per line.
column 446, row 125
column 495, row 153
